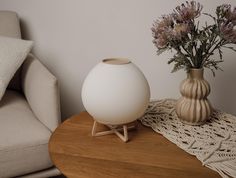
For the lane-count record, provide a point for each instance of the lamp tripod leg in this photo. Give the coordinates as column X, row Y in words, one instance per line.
column 124, row 137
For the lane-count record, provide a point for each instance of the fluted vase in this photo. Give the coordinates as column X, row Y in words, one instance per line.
column 193, row 107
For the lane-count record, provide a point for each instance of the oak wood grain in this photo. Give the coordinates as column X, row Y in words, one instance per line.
column 147, row 155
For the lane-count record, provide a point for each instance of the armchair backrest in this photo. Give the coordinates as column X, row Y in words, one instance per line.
column 10, row 26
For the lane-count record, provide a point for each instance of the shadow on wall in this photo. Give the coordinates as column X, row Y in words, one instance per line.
column 25, row 33
column 67, row 97
column 224, row 89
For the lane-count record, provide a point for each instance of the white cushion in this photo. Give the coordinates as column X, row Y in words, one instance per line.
column 12, row 54
column 23, row 138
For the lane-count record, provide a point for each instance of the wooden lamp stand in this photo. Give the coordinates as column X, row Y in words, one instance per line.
column 114, row 130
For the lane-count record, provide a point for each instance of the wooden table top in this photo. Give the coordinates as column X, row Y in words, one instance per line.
column 147, row 155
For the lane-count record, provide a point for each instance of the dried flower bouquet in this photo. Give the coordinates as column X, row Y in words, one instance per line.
column 194, row 46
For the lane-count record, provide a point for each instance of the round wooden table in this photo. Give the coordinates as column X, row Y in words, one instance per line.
column 76, row 153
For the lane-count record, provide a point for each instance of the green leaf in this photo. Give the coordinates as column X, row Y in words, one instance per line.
column 177, row 67
column 171, row 60
column 209, row 15
column 213, row 72
column 160, row 51
column 220, row 53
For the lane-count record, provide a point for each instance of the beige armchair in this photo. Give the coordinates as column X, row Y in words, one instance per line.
column 29, row 113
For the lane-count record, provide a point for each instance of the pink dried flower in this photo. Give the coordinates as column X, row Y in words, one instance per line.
column 231, row 15
column 161, row 42
column 227, row 22
column 226, row 13
column 160, row 39
column 167, row 30
column 160, row 26
column 162, row 30
column 181, row 30
column 224, row 7
column 188, row 11
column 228, row 32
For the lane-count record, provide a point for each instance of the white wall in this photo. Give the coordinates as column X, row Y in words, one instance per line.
column 71, row 36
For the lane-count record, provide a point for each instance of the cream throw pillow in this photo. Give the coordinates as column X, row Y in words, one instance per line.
column 12, row 54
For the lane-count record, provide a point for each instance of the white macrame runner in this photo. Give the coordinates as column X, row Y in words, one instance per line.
column 213, row 143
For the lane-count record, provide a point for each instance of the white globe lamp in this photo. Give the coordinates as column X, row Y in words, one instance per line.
column 115, row 93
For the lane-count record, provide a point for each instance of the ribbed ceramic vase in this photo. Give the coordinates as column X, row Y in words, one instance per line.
column 193, row 107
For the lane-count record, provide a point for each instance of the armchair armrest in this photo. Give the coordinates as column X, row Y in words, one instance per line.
column 41, row 91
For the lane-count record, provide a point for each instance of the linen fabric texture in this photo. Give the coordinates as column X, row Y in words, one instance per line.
column 12, row 54
column 10, row 27
column 23, row 138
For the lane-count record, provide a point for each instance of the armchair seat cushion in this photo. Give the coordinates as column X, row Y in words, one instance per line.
column 23, row 138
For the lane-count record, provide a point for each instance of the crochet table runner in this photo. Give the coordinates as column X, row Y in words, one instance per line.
column 213, row 143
